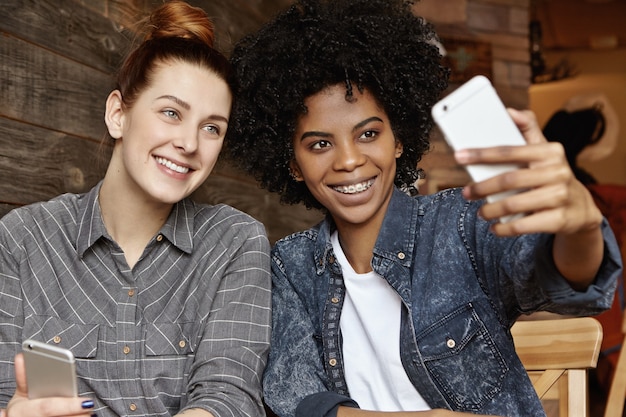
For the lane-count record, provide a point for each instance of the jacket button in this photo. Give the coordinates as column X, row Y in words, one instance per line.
column 401, row 255
column 334, row 300
column 451, row 343
column 331, row 259
column 332, row 362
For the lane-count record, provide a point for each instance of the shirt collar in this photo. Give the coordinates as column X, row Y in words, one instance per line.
column 178, row 228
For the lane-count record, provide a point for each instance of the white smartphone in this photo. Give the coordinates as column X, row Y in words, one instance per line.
column 50, row 370
column 473, row 116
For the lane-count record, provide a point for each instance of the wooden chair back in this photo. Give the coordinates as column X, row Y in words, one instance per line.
column 557, row 354
column 617, row 392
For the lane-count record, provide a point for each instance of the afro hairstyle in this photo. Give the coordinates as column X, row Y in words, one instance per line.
column 377, row 45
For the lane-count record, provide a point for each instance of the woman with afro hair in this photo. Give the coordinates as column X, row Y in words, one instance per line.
column 397, row 302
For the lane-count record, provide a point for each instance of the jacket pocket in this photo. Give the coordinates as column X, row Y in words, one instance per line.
column 462, row 358
column 81, row 339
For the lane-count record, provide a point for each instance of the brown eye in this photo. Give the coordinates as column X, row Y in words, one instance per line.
column 320, row 144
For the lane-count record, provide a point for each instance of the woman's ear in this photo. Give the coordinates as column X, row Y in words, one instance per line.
column 399, row 149
column 114, row 114
column 294, row 171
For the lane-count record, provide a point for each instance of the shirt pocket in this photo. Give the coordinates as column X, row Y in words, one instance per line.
column 163, row 339
column 463, row 359
column 81, row 339
column 169, row 359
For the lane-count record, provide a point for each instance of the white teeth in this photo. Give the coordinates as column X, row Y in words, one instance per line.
column 172, row 166
column 354, row 188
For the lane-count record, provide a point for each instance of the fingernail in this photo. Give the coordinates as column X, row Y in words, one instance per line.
column 462, row 155
column 87, row 404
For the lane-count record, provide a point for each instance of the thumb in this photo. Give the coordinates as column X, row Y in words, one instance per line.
column 526, row 122
column 20, row 377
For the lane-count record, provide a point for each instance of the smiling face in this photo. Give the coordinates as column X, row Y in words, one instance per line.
column 168, row 142
column 346, row 152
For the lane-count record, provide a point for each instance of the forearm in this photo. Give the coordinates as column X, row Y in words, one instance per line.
column 230, row 358
column 355, row 412
column 578, row 256
column 195, row 412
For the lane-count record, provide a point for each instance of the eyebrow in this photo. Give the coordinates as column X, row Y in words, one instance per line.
column 176, row 100
column 356, row 127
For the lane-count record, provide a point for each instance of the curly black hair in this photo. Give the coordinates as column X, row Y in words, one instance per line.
column 378, row 45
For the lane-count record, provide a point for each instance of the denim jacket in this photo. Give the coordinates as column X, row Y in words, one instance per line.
column 461, row 288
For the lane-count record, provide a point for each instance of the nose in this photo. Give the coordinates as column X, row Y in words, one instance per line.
column 187, row 141
column 348, row 156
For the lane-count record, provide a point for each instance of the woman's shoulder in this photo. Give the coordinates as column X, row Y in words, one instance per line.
column 61, row 208
column 220, row 212
column 303, row 237
column 449, row 202
column 299, row 245
column 224, row 217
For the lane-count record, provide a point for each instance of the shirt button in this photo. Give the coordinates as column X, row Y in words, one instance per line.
column 401, row 255
column 159, row 238
column 126, row 350
column 332, row 362
column 131, row 292
column 182, row 344
column 133, row 407
column 56, row 339
column 334, row 300
column 451, row 343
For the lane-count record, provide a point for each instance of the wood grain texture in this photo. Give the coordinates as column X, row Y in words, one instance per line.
column 57, row 65
column 68, row 29
column 37, row 164
column 50, row 91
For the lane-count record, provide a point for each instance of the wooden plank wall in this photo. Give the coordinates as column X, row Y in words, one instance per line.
column 57, row 60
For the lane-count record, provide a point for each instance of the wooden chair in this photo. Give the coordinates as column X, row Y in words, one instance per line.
column 617, row 392
column 557, row 354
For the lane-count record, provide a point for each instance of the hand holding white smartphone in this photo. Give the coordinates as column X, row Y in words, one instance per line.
column 473, row 116
column 50, row 370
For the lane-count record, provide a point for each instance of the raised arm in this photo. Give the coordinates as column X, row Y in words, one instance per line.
column 553, row 200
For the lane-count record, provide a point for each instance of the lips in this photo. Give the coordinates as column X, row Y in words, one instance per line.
column 171, row 165
column 354, row 188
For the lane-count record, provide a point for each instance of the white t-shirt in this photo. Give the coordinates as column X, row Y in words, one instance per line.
column 370, row 328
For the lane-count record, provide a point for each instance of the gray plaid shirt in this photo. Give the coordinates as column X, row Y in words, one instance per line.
column 187, row 327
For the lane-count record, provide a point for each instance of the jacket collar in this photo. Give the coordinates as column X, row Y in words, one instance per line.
column 396, row 239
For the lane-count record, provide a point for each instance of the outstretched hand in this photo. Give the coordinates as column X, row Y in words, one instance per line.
column 21, row 406
column 553, row 200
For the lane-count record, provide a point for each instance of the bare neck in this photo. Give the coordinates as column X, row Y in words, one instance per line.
column 130, row 220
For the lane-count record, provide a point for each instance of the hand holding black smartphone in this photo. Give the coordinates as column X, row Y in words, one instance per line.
column 50, row 370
